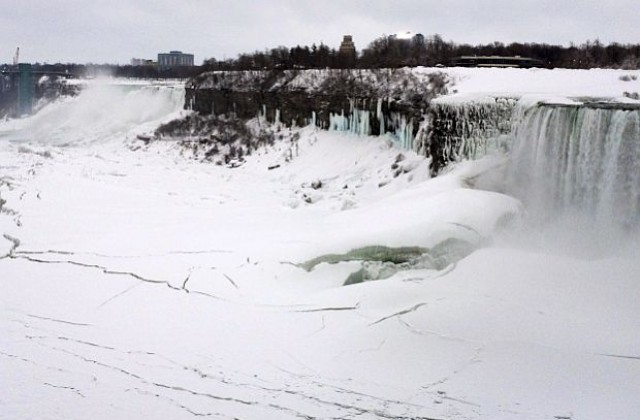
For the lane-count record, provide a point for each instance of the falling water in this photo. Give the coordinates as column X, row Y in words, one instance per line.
column 102, row 112
column 579, row 162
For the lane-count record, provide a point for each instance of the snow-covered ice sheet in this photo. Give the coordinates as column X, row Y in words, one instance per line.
column 147, row 284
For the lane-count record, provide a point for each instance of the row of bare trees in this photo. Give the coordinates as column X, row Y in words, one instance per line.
column 285, row 58
column 389, row 52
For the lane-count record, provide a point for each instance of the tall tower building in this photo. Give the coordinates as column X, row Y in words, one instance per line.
column 347, row 47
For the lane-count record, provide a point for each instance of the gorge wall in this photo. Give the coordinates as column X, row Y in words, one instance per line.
column 370, row 102
column 566, row 155
column 465, row 127
column 400, row 103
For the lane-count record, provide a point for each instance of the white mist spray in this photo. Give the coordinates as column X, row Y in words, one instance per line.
column 102, row 112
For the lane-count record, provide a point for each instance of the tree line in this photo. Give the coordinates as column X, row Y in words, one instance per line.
column 383, row 52
column 390, row 52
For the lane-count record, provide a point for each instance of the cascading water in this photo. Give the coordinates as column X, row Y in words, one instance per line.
column 101, row 112
column 579, row 162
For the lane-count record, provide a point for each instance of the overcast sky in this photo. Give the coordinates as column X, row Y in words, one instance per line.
column 114, row 31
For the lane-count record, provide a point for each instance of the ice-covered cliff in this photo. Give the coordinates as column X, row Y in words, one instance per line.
column 465, row 127
column 368, row 102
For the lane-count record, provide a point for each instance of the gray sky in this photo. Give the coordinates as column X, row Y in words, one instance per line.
column 114, row 31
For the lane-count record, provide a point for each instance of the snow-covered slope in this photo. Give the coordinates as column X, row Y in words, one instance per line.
column 148, row 284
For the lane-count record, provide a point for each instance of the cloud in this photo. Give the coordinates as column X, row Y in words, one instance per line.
column 117, row 30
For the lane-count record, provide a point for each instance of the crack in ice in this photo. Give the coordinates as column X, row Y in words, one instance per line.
column 621, row 356
column 117, row 295
column 61, row 321
column 97, row 254
column 69, row 388
column 403, row 312
column 231, row 281
column 105, row 270
column 329, row 309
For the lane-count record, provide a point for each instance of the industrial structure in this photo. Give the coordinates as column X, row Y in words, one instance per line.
column 19, row 87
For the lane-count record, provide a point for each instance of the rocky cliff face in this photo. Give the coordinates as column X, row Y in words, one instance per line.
column 366, row 101
column 459, row 127
column 402, row 103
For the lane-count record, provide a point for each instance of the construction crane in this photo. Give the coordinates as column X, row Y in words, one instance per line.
column 16, row 57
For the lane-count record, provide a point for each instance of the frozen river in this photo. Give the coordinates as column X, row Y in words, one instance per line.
column 137, row 282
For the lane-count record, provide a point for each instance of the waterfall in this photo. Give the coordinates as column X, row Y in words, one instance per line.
column 103, row 111
column 579, row 161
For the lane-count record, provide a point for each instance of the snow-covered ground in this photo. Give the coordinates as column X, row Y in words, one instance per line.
column 551, row 82
column 144, row 284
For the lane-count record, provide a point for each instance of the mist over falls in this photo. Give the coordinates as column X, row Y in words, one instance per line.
column 102, row 112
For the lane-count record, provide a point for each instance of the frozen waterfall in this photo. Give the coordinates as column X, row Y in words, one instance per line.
column 579, row 161
column 103, row 111
column 360, row 120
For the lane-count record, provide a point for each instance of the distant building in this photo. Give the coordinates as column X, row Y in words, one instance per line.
column 175, row 59
column 495, row 61
column 142, row 62
column 347, row 47
column 407, row 37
